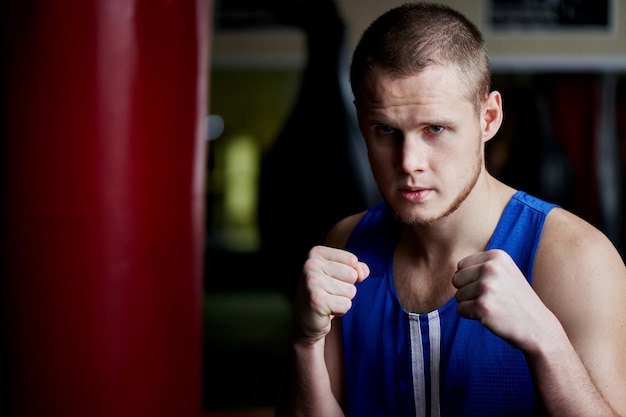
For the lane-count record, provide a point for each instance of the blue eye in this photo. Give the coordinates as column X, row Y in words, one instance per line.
column 436, row 129
column 386, row 129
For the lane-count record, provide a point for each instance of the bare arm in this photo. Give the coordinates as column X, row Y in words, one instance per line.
column 582, row 280
column 571, row 324
column 314, row 380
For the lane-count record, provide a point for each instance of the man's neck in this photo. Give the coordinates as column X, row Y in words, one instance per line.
column 464, row 232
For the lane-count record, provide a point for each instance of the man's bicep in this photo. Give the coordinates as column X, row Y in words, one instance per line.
column 581, row 278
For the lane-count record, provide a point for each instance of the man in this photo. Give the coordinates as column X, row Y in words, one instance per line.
column 457, row 295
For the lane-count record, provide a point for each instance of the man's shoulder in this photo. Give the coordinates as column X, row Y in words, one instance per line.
column 570, row 244
column 566, row 229
column 341, row 231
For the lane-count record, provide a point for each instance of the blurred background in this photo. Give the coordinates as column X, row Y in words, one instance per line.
column 288, row 162
column 167, row 165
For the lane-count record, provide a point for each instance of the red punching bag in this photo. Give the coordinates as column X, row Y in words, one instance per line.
column 103, row 107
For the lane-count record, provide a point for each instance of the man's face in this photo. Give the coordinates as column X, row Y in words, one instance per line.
column 424, row 141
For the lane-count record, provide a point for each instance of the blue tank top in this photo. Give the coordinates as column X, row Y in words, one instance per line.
column 437, row 364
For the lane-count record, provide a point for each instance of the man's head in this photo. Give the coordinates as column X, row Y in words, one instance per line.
column 421, row 80
column 410, row 37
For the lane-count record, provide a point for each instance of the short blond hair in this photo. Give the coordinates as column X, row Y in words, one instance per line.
column 408, row 38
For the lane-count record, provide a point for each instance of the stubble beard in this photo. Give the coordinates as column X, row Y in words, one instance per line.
column 458, row 201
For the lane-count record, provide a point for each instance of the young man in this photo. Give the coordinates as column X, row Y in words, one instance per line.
column 458, row 295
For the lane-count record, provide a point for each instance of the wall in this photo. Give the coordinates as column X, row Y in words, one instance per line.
column 283, row 47
column 517, row 56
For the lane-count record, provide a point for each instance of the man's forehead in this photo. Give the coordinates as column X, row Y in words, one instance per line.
column 433, row 81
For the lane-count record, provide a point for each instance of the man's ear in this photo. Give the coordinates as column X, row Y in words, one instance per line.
column 491, row 115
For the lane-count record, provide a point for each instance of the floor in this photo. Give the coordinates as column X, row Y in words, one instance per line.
column 245, row 345
column 251, row 412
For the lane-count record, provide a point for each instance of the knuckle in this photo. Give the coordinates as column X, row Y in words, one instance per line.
column 311, row 264
column 344, row 305
column 315, row 251
column 315, row 299
column 492, row 267
column 485, row 285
